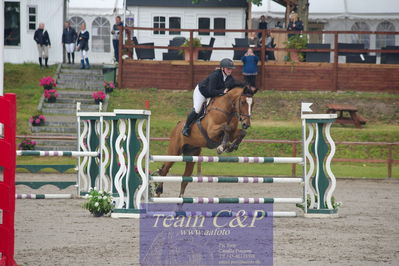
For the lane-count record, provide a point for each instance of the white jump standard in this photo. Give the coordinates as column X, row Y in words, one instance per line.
column 318, row 179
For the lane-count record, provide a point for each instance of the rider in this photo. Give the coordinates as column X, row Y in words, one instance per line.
column 216, row 84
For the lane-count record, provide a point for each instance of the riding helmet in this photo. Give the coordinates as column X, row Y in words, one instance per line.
column 227, row 63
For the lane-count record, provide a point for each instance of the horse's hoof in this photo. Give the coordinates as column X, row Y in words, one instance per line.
column 219, row 150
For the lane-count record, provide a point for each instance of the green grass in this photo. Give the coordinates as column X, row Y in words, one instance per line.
column 276, row 116
column 23, row 80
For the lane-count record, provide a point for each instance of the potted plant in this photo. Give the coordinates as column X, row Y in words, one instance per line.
column 48, row 83
column 27, row 144
column 37, row 120
column 297, row 41
column 196, row 43
column 98, row 96
column 109, row 86
column 51, row 95
column 98, row 202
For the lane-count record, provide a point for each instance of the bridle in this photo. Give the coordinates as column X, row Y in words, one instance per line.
column 239, row 114
column 236, row 105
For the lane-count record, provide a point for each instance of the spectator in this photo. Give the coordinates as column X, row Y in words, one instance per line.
column 69, row 37
column 270, row 44
column 262, row 25
column 115, row 36
column 42, row 39
column 295, row 24
column 250, row 68
column 278, row 25
column 83, row 46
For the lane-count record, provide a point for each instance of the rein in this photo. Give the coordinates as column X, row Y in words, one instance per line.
column 237, row 112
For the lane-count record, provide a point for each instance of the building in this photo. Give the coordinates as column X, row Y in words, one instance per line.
column 211, row 14
column 22, row 18
column 99, row 17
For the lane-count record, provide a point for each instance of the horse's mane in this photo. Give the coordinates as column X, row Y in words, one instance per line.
column 235, row 91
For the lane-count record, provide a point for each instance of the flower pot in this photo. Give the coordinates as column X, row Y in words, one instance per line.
column 38, row 125
column 187, row 54
column 98, row 214
column 109, row 90
column 48, row 87
column 97, row 101
column 52, row 99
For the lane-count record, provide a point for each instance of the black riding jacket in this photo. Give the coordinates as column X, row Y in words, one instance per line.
column 83, row 40
column 69, row 35
column 214, row 85
column 41, row 37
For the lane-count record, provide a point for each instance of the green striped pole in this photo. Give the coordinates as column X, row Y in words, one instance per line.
column 200, row 200
column 57, row 153
column 223, row 159
column 43, row 196
column 224, row 179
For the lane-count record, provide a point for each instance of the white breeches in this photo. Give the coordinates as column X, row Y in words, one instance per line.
column 83, row 53
column 198, row 99
column 70, row 47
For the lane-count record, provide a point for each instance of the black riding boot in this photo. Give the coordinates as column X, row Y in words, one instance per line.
column 69, row 57
column 73, row 58
column 40, row 62
column 190, row 119
column 45, row 62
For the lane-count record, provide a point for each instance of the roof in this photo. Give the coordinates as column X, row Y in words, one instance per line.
column 188, row 3
column 326, row 9
column 95, row 7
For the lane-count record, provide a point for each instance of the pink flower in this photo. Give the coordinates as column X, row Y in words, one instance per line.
column 46, row 81
column 37, row 121
column 30, row 120
column 33, row 142
column 99, row 95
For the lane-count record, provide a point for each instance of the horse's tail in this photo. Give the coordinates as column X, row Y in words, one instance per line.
column 174, row 148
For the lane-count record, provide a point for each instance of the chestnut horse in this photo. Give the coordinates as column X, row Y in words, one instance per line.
column 218, row 129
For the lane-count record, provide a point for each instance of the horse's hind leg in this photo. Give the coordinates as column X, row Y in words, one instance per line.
column 188, row 170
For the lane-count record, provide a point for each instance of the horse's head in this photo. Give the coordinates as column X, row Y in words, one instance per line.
column 244, row 106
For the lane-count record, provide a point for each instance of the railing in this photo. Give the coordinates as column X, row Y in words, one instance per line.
column 263, row 49
column 389, row 161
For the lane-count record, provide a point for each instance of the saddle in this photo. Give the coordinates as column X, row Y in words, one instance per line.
column 211, row 144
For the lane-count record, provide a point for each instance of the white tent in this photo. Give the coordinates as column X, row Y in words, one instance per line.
column 97, row 7
column 330, row 9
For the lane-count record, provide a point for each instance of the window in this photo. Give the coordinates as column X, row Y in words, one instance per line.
column 219, row 24
column 76, row 22
column 361, row 38
column 385, row 40
column 174, row 23
column 101, row 37
column 12, row 23
column 129, row 22
column 32, row 17
column 159, row 22
column 204, row 23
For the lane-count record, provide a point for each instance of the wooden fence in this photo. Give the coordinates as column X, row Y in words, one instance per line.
column 183, row 75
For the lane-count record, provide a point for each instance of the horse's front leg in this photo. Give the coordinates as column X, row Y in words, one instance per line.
column 237, row 138
column 225, row 141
